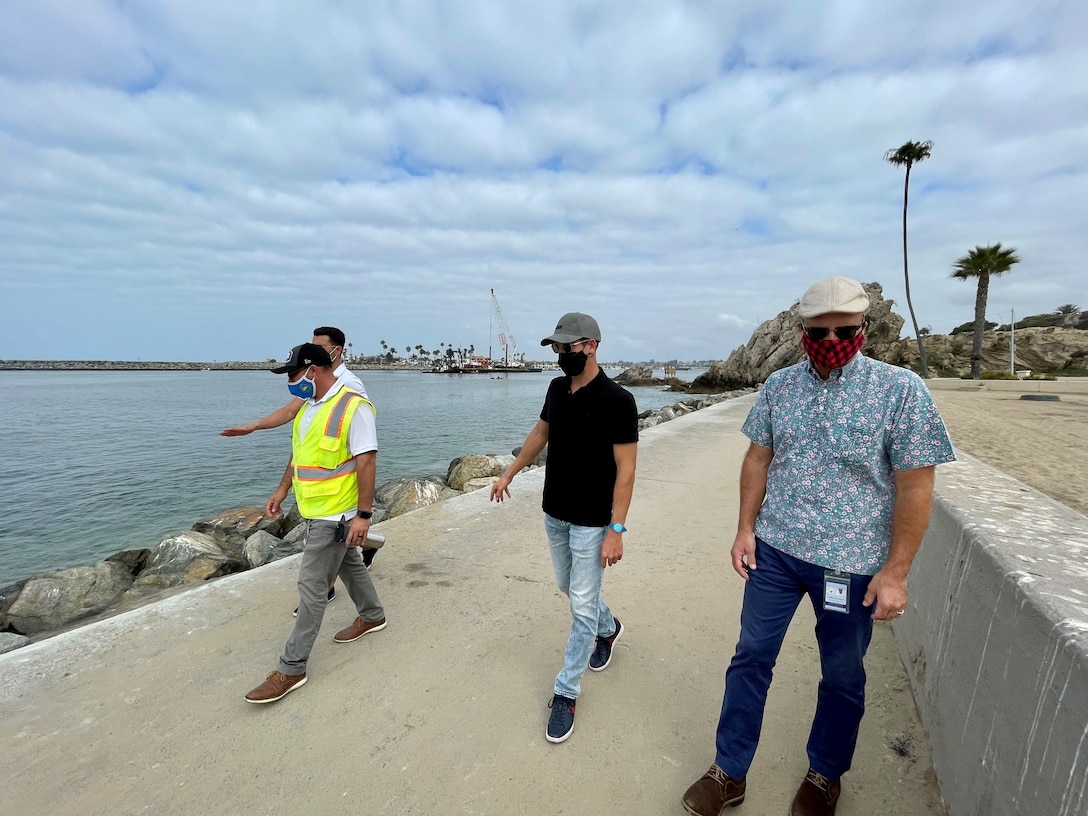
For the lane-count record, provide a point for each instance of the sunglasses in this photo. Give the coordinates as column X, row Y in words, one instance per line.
column 567, row 348
column 841, row 332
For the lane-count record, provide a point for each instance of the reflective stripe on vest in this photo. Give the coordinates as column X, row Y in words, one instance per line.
column 323, row 467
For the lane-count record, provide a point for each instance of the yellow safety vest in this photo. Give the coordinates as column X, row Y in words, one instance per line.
column 323, row 469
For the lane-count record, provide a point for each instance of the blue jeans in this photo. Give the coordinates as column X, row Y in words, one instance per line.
column 771, row 595
column 576, row 557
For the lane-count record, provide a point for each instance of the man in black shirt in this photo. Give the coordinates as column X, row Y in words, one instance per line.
column 590, row 426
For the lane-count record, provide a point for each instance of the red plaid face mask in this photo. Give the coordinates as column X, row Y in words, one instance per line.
column 831, row 352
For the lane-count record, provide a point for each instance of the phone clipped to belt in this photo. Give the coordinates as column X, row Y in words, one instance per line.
column 342, row 530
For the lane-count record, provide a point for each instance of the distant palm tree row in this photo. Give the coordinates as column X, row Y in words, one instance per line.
column 447, row 353
column 981, row 263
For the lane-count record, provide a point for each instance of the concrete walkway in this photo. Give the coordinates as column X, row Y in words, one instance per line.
column 444, row 711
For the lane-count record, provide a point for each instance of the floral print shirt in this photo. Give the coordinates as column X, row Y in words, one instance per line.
column 837, row 443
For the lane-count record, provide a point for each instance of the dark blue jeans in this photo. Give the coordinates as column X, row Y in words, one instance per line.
column 771, row 595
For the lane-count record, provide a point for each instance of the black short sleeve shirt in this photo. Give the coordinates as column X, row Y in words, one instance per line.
column 582, row 428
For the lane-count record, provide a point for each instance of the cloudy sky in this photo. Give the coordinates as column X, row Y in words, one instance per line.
column 209, row 181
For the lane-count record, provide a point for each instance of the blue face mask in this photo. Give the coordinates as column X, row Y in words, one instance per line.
column 302, row 388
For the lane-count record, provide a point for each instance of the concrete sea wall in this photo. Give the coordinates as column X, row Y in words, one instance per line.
column 995, row 642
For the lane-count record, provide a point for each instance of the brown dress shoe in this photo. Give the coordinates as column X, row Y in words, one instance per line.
column 713, row 793
column 358, row 629
column 276, row 686
column 817, row 796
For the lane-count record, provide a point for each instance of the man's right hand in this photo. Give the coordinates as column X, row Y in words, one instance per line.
column 241, row 430
column 274, row 506
column 501, row 489
column 744, row 553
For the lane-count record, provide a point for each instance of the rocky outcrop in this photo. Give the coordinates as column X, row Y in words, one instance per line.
column 776, row 344
column 643, row 376
column 1041, row 350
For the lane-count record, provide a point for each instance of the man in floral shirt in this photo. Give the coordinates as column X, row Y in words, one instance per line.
column 835, row 494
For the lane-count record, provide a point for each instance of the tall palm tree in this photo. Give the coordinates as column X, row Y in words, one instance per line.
column 983, row 263
column 1068, row 313
column 908, row 155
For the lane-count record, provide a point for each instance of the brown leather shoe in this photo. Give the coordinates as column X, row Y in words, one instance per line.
column 358, row 629
column 713, row 793
column 276, row 686
column 817, row 796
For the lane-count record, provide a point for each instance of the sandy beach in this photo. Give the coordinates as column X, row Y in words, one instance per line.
column 1043, row 444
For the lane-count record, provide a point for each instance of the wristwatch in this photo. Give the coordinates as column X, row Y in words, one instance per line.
column 365, row 514
column 617, row 527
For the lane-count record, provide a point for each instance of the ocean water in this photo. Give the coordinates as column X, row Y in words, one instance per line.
column 98, row 462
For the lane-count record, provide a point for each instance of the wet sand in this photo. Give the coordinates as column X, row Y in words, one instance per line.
column 1043, row 444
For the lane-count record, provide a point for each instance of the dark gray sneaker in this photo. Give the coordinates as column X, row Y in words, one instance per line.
column 602, row 652
column 561, row 722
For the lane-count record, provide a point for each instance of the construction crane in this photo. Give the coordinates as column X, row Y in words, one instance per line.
column 506, row 339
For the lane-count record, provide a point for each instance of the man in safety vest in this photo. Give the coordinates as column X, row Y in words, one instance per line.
column 334, row 450
column 332, row 340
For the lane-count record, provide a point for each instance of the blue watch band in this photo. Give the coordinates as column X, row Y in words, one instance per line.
column 619, row 528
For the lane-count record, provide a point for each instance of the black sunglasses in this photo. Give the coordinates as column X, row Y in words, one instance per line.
column 567, row 348
column 841, row 332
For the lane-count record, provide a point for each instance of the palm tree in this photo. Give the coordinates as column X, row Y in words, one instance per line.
column 982, row 263
column 908, row 155
column 1068, row 313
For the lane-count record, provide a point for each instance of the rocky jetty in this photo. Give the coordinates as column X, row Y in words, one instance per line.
column 231, row 541
column 775, row 344
column 132, row 365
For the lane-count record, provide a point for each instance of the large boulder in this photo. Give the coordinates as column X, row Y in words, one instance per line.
column 476, row 466
column 9, row 641
column 55, row 599
column 541, row 459
column 776, row 344
column 262, row 548
column 231, row 528
column 183, row 557
column 410, row 494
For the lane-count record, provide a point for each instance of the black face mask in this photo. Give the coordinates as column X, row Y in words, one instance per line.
column 573, row 363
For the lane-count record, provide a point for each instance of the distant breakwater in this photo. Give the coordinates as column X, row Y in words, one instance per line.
column 151, row 365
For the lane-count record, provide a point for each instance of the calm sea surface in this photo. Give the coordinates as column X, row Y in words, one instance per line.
column 96, row 462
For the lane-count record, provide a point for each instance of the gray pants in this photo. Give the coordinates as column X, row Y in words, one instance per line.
column 322, row 560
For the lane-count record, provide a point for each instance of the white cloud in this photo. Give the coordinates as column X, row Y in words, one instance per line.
column 682, row 171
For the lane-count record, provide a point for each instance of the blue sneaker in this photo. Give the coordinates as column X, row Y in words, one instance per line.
column 561, row 722
column 602, row 652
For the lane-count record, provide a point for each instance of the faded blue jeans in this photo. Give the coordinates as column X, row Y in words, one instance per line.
column 576, row 557
column 771, row 596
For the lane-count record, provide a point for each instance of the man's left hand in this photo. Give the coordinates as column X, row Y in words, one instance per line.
column 887, row 594
column 357, row 531
column 611, row 549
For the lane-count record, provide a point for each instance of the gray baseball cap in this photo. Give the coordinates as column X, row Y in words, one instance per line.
column 573, row 326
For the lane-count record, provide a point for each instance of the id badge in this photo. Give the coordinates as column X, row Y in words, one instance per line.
column 836, row 592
